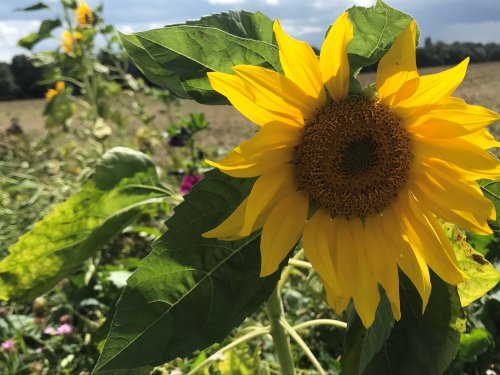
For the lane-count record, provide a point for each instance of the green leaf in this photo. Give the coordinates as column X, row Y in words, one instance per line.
column 190, row 291
column 491, row 190
column 244, row 24
column 474, row 343
column 37, row 6
column 178, row 57
column 44, row 32
column 152, row 70
column 124, row 184
column 421, row 344
column 375, row 29
column 362, row 344
column 483, row 276
column 481, row 243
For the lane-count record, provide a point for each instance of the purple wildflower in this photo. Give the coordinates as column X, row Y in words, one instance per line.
column 188, row 182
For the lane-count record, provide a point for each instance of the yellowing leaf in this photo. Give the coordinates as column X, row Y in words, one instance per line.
column 483, row 276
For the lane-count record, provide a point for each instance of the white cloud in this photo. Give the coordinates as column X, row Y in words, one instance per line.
column 364, row 3
column 272, row 2
column 479, row 32
column 226, row 1
column 299, row 28
column 10, row 32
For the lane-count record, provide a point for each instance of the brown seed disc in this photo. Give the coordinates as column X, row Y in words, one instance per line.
column 353, row 158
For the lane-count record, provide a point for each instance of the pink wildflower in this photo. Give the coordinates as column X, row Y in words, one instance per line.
column 188, row 182
column 64, row 329
column 8, row 346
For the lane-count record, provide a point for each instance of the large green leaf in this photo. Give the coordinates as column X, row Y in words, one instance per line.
column 152, row 70
column 124, row 184
column 190, row 291
column 241, row 23
column 421, row 344
column 375, row 29
column 44, row 32
column 482, row 275
column 214, row 43
column 362, row 344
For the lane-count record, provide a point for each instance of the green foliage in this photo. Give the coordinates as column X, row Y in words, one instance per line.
column 178, row 57
column 37, row 6
column 124, row 184
column 375, row 29
column 44, row 32
column 491, row 190
column 201, row 289
column 417, row 344
column 361, row 344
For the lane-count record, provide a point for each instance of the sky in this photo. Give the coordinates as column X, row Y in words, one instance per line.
column 446, row 20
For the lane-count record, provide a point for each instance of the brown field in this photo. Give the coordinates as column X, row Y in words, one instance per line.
column 227, row 127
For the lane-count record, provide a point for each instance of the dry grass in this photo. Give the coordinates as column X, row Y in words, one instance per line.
column 227, row 127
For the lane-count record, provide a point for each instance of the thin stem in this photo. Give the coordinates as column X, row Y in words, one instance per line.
column 289, row 329
column 317, row 322
column 288, row 269
column 254, row 333
column 281, row 342
column 300, row 263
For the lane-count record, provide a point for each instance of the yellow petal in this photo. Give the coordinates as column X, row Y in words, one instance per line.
column 277, row 93
column 410, row 261
column 451, row 118
column 231, row 226
column 454, row 200
column 282, row 229
column 430, row 241
column 271, row 136
column 344, row 255
column 300, row 65
column 433, row 88
column 318, row 246
column 398, row 65
column 269, row 189
column 333, row 61
column 318, row 241
column 60, row 86
column 482, row 138
column 238, row 165
column 457, row 151
column 235, row 90
column 366, row 296
column 382, row 261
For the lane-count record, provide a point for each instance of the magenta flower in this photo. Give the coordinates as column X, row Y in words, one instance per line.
column 8, row 346
column 188, row 182
column 64, row 329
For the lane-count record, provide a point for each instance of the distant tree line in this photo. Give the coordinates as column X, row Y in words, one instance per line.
column 20, row 79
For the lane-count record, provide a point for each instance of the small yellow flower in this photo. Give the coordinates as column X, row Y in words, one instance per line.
column 376, row 173
column 53, row 92
column 84, row 15
column 68, row 39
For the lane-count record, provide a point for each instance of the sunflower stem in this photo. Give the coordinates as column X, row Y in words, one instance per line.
column 275, row 312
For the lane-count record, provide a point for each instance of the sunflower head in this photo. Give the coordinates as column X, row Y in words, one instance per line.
column 49, row 95
column 84, row 15
column 380, row 171
column 68, row 40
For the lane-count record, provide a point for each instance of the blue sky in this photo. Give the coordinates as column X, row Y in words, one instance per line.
column 447, row 20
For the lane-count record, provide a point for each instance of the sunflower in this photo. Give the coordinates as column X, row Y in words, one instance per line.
column 361, row 179
column 53, row 92
column 68, row 39
column 84, row 15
